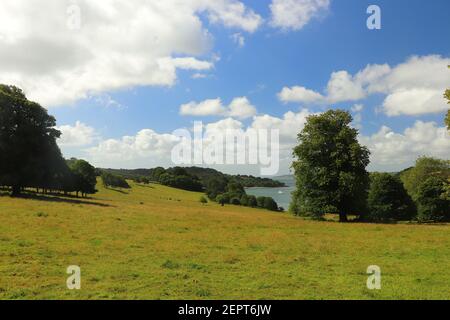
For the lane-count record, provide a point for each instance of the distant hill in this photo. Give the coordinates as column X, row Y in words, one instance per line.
column 203, row 174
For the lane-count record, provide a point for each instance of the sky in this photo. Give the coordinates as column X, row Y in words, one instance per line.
column 121, row 76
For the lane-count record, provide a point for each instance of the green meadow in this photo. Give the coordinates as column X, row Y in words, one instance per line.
column 155, row 242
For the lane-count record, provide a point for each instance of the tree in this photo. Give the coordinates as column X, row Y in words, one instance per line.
column 235, row 201
column 251, row 201
column 432, row 202
column 114, row 181
column 388, row 199
column 330, row 167
column 27, row 141
column 221, row 200
column 270, row 204
column 84, row 176
column 260, row 201
column 424, row 168
column 244, row 200
column 215, row 186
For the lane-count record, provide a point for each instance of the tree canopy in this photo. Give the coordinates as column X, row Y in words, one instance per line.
column 330, row 167
column 29, row 155
column 388, row 199
column 424, row 168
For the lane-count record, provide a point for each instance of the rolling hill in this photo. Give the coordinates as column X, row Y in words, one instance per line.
column 155, row 242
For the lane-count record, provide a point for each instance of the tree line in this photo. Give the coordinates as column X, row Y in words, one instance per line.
column 331, row 177
column 29, row 155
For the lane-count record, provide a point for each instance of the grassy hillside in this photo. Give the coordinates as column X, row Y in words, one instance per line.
column 154, row 242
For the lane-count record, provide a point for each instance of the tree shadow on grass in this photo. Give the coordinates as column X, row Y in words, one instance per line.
column 145, row 186
column 118, row 190
column 55, row 198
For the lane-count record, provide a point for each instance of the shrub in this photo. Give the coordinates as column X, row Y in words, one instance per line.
column 221, row 200
column 388, row 199
column 244, row 200
column 260, row 202
column 251, row 201
column 235, row 201
column 433, row 205
column 203, row 200
column 111, row 180
column 270, row 204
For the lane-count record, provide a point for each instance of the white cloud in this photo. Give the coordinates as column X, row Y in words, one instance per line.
column 199, row 76
column 358, row 108
column 146, row 149
column 240, row 108
column 300, row 94
column 393, row 151
column 342, row 87
column 414, row 102
column 390, row 151
column 295, row 14
column 238, row 38
column 205, row 108
column 149, row 148
column 191, row 64
column 232, row 13
column 414, row 87
column 115, row 47
column 76, row 136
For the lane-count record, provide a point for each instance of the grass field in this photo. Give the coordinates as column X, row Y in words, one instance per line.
column 155, row 242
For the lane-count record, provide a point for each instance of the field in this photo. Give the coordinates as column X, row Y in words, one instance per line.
column 155, row 242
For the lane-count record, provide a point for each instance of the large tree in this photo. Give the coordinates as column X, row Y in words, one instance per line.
column 330, row 167
column 84, row 175
column 388, row 199
column 425, row 167
column 27, row 141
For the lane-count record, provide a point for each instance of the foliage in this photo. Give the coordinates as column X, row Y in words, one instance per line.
column 203, row 200
column 424, row 168
column 244, row 200
column 235, row 201
column 251, row 201
column 432, row 202
column 270, row 204
column 388, row 199
column 29, row 156
column 215, row 186
column 114, row 181
column 330, row 167
column 84, row 175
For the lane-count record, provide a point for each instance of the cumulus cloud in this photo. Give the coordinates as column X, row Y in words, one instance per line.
column 114, row 45
column 238, row 108
column 295, row 14
column 390, row 150
column 78, row 135
column 147, row 148
column 393, row 151
column 414, row 87
column 300, row 94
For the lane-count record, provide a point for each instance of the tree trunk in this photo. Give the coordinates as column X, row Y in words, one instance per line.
column 343, row 217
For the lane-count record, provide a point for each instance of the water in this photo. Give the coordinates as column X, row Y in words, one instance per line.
column 282, row 196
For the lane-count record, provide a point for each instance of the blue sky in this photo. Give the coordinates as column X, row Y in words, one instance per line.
column 276, row 56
